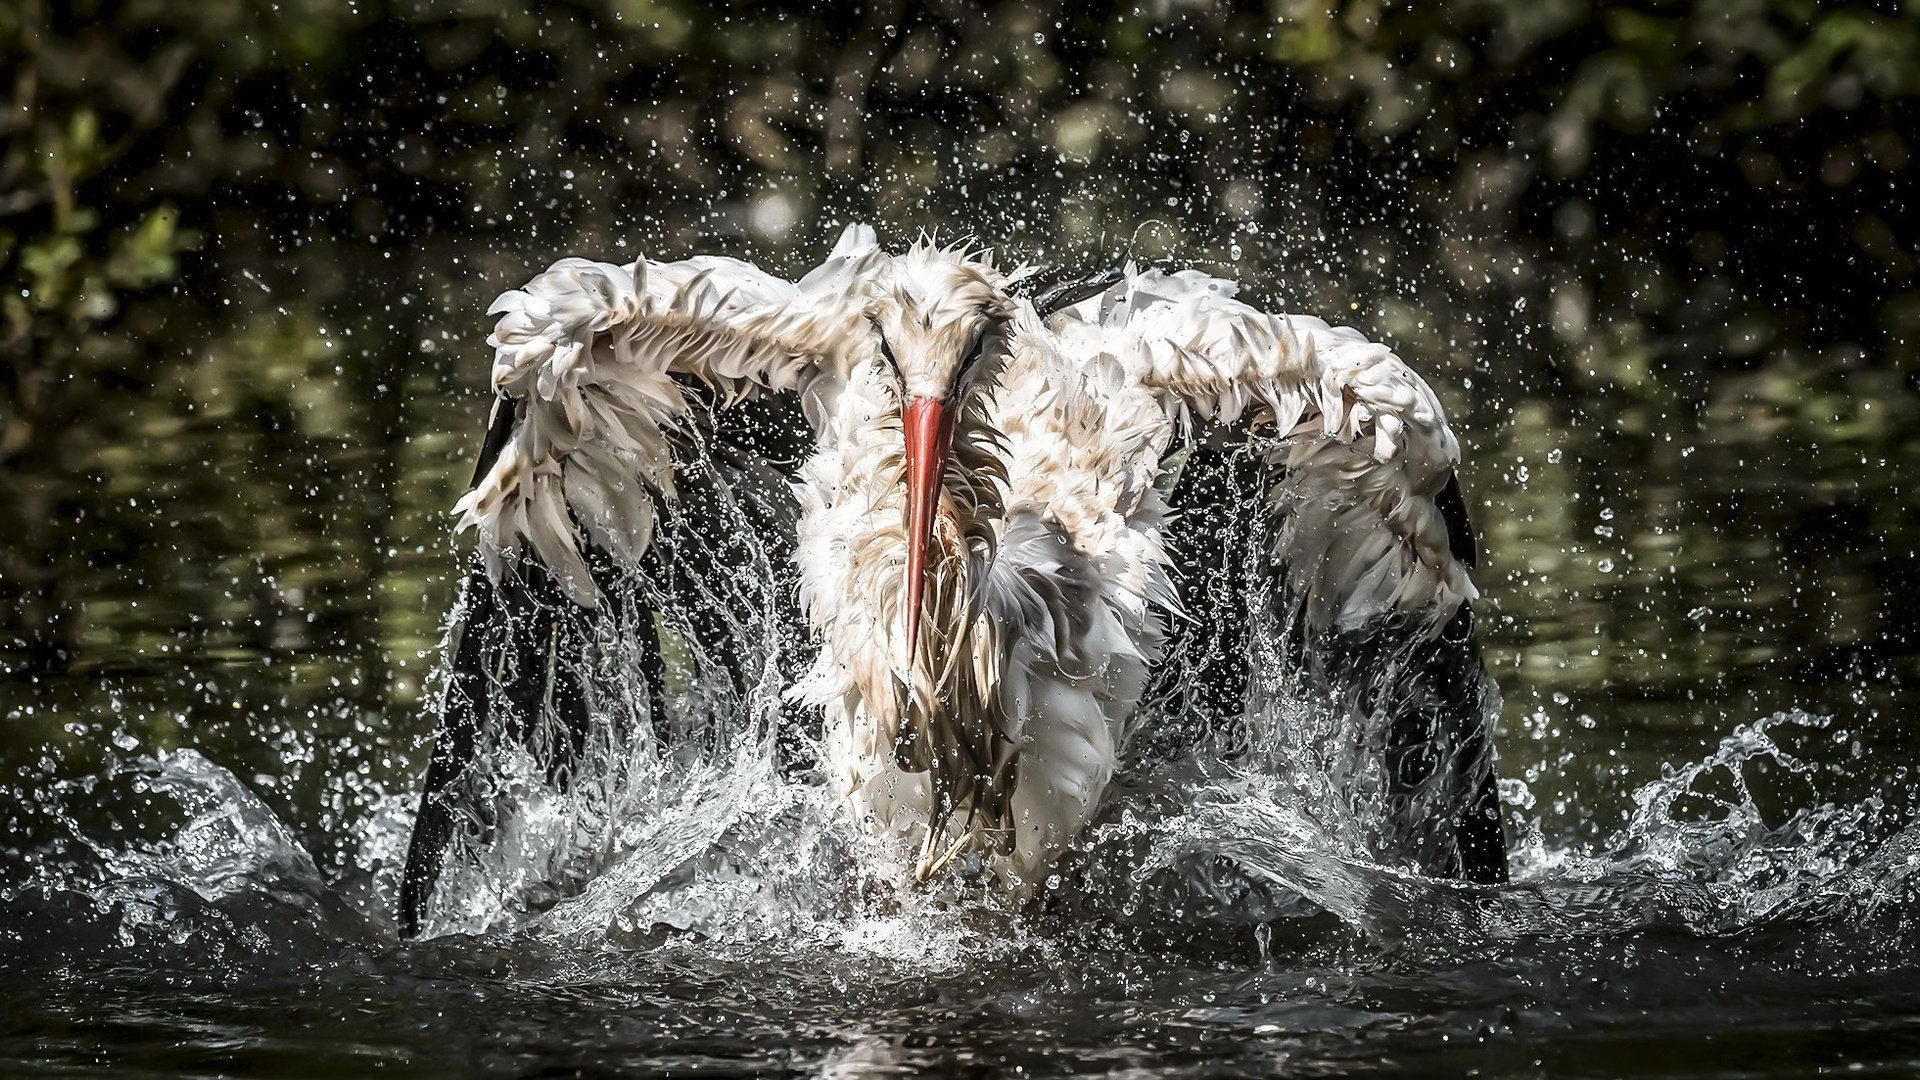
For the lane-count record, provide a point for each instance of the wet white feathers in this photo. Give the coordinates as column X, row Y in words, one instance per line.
column 1364, row 439
column 1050, row 580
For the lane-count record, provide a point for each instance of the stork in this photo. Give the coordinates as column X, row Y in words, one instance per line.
column 981, row 531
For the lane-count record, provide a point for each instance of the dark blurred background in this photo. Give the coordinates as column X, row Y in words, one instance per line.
column 1658, row 258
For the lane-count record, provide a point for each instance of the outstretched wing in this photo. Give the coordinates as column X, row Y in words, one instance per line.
column 587, row 355
column 619, row 494
column 1320, row 493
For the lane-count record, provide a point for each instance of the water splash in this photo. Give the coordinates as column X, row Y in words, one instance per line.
column 198, row 865
column 172, row 857
column 1688, row 858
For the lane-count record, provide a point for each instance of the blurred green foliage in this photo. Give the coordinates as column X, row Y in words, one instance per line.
column 1732, row 172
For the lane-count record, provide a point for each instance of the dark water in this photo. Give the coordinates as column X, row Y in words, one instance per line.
column 1700, row 611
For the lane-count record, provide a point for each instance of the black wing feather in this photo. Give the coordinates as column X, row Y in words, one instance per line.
column 1062, row 287
column 499, row 429
column 515, row 677
column 1453, row 511
column 524, row 659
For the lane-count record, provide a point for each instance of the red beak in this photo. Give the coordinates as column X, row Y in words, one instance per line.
column 929, row 434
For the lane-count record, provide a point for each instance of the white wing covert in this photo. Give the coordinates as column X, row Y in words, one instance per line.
column 1362, row 440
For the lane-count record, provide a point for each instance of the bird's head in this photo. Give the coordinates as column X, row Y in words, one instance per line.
column 942, row 322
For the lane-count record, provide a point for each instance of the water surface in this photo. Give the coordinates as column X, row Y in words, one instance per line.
column 1697, row 610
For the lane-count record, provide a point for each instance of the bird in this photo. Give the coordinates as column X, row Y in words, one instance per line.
column 979, row 480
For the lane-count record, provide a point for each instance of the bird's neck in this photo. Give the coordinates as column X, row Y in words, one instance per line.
column 946, row 706
column 932, row 709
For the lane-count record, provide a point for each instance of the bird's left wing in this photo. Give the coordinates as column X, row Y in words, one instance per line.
column 588, row 404
column 1365, row 549
column 613, row 434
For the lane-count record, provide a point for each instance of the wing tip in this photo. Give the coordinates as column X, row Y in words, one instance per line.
column 857, row 237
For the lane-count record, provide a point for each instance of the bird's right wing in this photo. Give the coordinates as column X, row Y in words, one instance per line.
column 1362, row 550
column 619, row 492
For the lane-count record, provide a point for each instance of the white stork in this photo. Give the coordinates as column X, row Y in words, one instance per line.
column 981, row 531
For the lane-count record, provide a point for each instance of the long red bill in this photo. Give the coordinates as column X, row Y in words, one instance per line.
column 929, row 435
